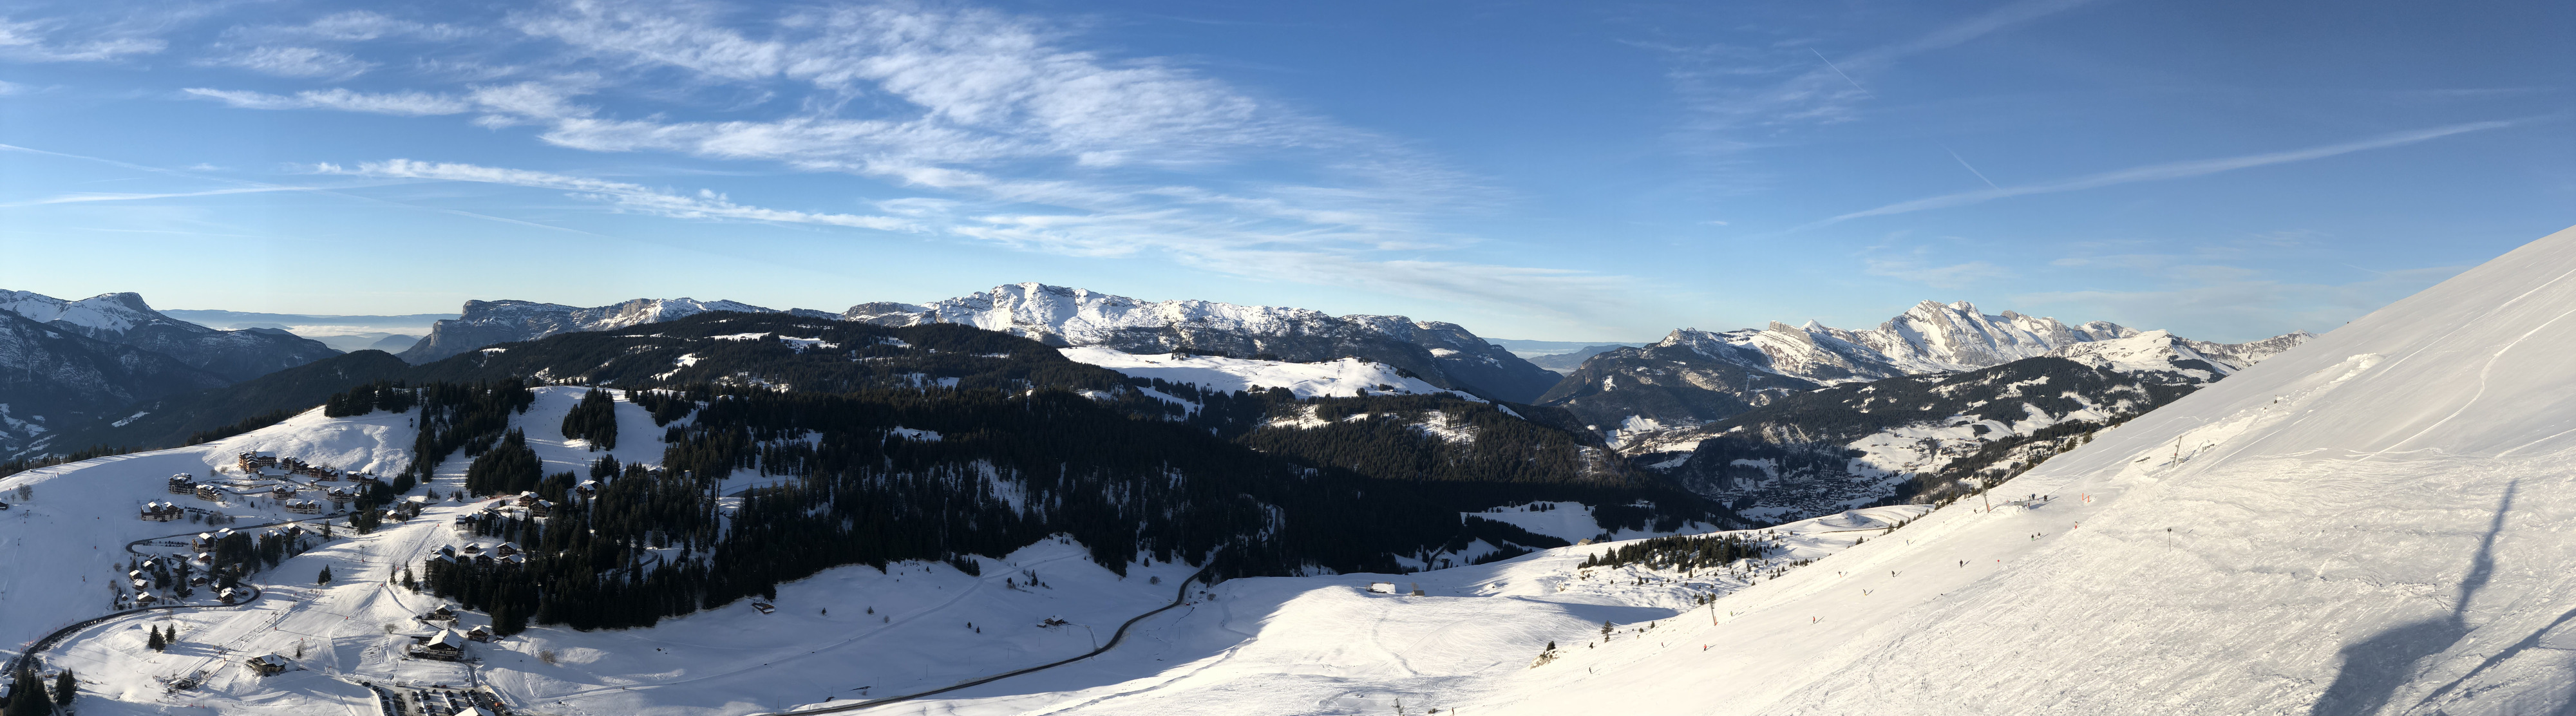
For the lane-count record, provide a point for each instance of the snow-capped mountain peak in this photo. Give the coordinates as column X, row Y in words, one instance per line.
column 1445, row 354
column 2149, row 351
column 106, row 314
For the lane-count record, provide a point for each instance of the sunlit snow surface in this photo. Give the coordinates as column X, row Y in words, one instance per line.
column 1343, row 378
column 2376, row 522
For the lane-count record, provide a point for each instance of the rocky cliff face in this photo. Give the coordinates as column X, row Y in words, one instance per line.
column 124, row 318
column 489, row 322
column 1444, row 354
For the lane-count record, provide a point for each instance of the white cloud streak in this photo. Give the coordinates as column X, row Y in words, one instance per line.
column 1024, row 141
column 86, row 197
column 630, row 197
column 409, row 104
column 350, row 26
column 1740, row 90
column 2170, row 170
column 32, row 42
column 301, row 62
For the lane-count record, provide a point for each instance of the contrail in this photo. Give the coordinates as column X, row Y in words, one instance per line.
column 1829, row 64
column 1981, row 176
column 2171, row 170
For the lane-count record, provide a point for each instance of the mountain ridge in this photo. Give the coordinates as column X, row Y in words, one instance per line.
column 1694, row 376
column 125, row 318
column 1446, row 354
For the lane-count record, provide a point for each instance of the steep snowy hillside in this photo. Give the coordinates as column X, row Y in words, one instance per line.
column 1334, row 645
column 1444, row 354
column 488, row 322
column 2372, row 523
column 1695, row 376
column 124, row 318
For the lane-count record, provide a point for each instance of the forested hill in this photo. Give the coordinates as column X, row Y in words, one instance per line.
column 935, row 441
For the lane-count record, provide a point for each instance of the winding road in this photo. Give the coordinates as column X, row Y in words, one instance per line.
column 55, row 639
column 1181, row 595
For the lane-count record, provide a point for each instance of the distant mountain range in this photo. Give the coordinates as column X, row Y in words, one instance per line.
column 508, row 321
column 65, row 362
column 1443, row 354
column 1695, row 376
column 1863, row 443
column 393, row 333
column 1782, row 422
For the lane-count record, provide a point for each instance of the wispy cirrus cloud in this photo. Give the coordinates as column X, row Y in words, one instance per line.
column 87, row 197
column 1742, row 91
column 2170, row 170
column 303, row 62
column 638, row 198
column 1009, row 132
column 410, row 104
column 35, row 41
column 350, row 26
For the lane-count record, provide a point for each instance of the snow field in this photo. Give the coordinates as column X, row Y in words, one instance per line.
column 1324, row 645
column 1348, row 377
column 822, row 643
column 2368, row 524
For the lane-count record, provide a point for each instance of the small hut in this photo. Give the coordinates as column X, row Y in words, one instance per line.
column 268, row 664
column 443, row 647
column 162, row 512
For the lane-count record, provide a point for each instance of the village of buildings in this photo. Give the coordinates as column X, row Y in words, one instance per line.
column 299, row 500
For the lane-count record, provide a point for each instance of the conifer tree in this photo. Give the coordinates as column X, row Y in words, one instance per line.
column 27, row 695
column 154, row 642
column 65, row 687
column 324, row 578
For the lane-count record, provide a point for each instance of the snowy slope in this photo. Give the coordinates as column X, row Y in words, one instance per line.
column 103, row 314
column 2372, row 523
column 1343, row 378
column 903, row 630
column 1325, row 645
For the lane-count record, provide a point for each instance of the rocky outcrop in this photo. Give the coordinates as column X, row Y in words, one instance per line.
column 1444, row 354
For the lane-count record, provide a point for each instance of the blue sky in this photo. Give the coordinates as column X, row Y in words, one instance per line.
column 1572, row 171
